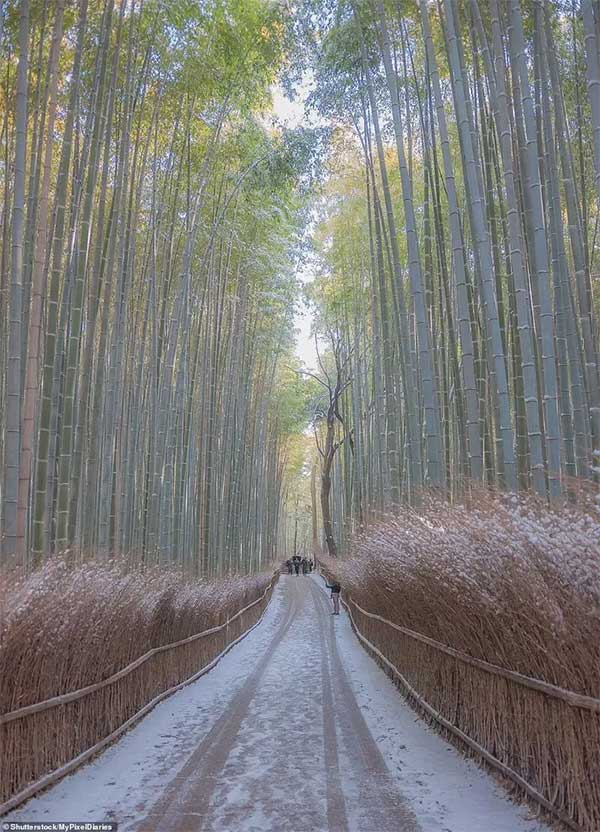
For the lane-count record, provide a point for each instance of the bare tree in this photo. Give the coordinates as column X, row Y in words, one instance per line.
column 328, row 422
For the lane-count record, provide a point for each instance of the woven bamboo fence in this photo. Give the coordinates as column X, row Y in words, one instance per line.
column 42, row 742
column 543, row 738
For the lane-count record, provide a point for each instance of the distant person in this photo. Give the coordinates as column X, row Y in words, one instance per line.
column 297, row 560
column 335, row 595
column 290, row 566
column 304, row 564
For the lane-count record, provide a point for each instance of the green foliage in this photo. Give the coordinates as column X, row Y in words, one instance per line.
column 293, row 398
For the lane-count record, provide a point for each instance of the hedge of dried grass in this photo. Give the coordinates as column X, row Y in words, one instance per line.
column 515, row 583
column 64, row 628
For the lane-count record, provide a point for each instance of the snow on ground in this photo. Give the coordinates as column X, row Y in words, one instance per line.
column 281, row 744
column 448, row 792
column 135, row 769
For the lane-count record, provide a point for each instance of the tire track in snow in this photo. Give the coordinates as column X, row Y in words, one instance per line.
column 275, row 777
column 186, row 801
column 336, row 808
column 379, row 804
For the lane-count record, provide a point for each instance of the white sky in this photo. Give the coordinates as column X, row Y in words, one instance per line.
column 291, row 114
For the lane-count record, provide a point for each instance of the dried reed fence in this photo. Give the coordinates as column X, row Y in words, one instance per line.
column 86, row 652
column 488, row 617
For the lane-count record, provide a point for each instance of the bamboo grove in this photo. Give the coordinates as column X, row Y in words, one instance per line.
column 459, row 245
column 148, row 228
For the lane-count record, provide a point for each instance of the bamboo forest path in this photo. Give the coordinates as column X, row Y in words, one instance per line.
column 296, row 730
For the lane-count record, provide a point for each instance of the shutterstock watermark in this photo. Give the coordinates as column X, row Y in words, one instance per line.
column 59, row 826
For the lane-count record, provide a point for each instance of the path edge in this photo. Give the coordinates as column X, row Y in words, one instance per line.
column 58, row 774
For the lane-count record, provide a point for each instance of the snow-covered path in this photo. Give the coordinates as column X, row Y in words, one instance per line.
column 296, row 730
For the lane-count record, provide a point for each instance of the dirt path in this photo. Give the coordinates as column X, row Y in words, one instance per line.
column 293, row 751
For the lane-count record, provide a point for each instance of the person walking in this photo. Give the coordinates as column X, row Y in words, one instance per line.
column 296, row 560
column 335, row 588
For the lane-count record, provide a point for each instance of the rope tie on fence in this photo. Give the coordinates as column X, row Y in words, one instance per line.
column 576, row 700
column 568, row 809
column 64, row 698
column 57, row 774
column 437, row 716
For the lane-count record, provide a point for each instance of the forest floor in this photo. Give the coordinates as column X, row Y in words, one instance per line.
column 295, row 730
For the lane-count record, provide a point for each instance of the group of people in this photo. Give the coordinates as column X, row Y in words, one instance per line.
column 296, row 564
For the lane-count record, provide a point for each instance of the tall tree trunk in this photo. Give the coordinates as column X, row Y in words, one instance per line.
column 13, row 554
column 483, row 252
column 38, row 289
column 458, row 265
column 433, row 441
